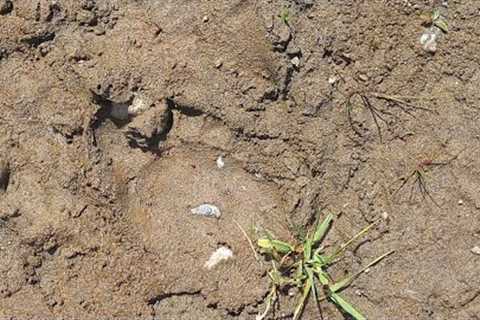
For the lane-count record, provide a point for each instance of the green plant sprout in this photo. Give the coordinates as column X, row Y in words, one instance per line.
column 439, row 21
column 285, row 16
column 435, row 18
column 305, row 266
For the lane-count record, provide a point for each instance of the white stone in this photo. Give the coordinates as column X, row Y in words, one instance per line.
column 222, row 253
column 429, row 41
column 332, row 80
column 475, row 250
column 138, row 106
column 220, row 162
column 295, row 62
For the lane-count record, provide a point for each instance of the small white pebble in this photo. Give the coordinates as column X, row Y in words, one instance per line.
column 332, row 80
column 460, row 202
column 295, row 62
column 475, row 250
column 424, row 38
column 218, row 64
column 220, row 162
column 385, row 215
column 222, row 253
column 429, row 42
column 205, row 19
column 363, row 77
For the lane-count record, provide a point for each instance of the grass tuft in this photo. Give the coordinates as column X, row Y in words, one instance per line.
column 305, row 266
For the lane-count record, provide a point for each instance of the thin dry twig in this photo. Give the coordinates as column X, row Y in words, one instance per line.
column 402, row 102
column 419, row 177
column 248, row 239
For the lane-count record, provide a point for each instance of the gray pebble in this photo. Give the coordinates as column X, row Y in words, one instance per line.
column 294, row 51
column 207, row 210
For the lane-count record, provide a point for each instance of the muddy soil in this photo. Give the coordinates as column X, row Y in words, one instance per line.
column 114, row 114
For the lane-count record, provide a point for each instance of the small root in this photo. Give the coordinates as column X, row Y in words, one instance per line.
column 377, row 114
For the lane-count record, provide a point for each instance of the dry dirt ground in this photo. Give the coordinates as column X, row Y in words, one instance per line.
column 297, row 96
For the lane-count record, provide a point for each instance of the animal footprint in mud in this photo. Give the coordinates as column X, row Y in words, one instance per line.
column 198, row 245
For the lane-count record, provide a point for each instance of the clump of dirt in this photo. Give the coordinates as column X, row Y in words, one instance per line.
column 114, row 112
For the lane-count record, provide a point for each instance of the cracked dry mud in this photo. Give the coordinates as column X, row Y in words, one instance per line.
column 113, row 113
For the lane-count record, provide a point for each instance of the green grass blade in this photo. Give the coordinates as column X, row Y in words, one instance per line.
column 307, row 249
column 344, row 246
column 306, row 291
column 319, row 260
column 442, row 24
column 322, row 229
column 342, row 284
column 315, row 290
column 299, row 271
column 312, row 280
column 323, row 277
column 374, row 262
column 270, row 245
column 346, row 307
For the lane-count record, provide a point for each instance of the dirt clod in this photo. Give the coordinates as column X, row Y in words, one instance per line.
column 85, row 17
column 281, row 36
column 6, row 6
column 150, row 127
